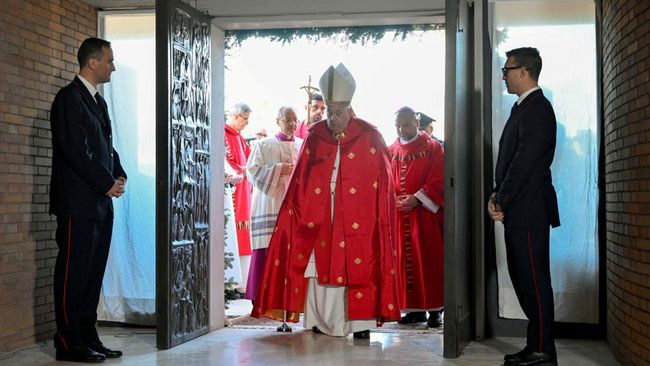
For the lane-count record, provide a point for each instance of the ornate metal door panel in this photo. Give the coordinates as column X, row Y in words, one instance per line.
column 182, row 173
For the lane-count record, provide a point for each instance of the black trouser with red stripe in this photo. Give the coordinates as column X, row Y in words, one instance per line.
column 527, row 251
column 78, row 274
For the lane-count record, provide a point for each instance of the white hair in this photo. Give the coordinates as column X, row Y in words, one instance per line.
column 240, row 108
column 283, row 110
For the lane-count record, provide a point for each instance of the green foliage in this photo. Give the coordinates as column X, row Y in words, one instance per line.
column 230, row 285
column 363, row 34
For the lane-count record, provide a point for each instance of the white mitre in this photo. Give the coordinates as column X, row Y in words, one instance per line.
column 337, row 84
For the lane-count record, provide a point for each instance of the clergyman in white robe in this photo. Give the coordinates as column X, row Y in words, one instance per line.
column 269, row 186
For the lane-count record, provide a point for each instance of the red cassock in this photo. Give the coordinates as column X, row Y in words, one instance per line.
column 416, row 166
column 356, row 248
column 237, row 152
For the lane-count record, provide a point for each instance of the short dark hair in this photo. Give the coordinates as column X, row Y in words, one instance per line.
column 529, row 58
column 91, row 48
column 409, row 112
column 316, row 96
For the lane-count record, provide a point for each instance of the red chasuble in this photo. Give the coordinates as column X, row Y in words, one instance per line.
column 419, row 165
column 356, row 248
column 237, row 151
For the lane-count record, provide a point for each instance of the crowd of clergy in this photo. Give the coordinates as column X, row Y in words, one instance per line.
column 331, row 223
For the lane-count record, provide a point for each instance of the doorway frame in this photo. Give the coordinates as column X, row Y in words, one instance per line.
column 467, row 324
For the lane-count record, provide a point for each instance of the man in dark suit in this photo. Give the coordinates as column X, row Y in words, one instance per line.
column 524, row 200
column 86, row 175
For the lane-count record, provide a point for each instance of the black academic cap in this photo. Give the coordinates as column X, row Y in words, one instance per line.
column 425, row 120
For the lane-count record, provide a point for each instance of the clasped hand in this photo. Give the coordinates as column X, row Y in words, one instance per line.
column 118, row 188
column 286, row 169
column 234, row 179
column 406, row 203
column 494, row 210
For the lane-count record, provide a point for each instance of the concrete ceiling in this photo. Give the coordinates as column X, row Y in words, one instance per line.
column 257, row 14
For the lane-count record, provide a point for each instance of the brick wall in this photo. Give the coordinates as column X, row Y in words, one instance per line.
column 626, row 104
column 39, row 41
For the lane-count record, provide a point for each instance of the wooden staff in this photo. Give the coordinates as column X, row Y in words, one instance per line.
column 310, row 92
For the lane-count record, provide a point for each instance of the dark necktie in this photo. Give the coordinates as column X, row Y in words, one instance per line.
column 103, row 108
column 514, row 109
column 106, row 126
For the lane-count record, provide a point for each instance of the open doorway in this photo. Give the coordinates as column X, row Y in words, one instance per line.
column 390, row 73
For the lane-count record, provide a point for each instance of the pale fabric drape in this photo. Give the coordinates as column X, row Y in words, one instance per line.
column 129, row 287
column 564, row 32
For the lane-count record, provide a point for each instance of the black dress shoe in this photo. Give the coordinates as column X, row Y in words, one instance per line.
column 537, row 358
column 109, row 353
column 316, row 330
column 514, row 358
column 79, row 354
column 364, row 334
column 435, row 319
column 414, row 317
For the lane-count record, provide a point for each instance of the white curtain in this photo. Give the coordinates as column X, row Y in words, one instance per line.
column 129, row 288
column 564, row 33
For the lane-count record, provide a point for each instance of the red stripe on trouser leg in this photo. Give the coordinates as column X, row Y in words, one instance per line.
column 65, row 345
column 67, row 267
column 539, row 303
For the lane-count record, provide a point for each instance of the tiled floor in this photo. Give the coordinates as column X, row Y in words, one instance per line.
column 244, row 345
column 232, row 346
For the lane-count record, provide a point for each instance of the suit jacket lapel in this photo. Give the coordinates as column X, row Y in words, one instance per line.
column 101, row 111
column 519, row 111
column 103, row 108
column 89, row 99
column 516, row 114
column 526, row 102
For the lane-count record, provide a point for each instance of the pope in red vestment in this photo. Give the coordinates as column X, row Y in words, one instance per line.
column 417, row 171
column 354, row 245
column 356, row 249
column 237, row 152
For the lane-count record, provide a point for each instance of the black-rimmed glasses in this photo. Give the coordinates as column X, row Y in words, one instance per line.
column 504, row 70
